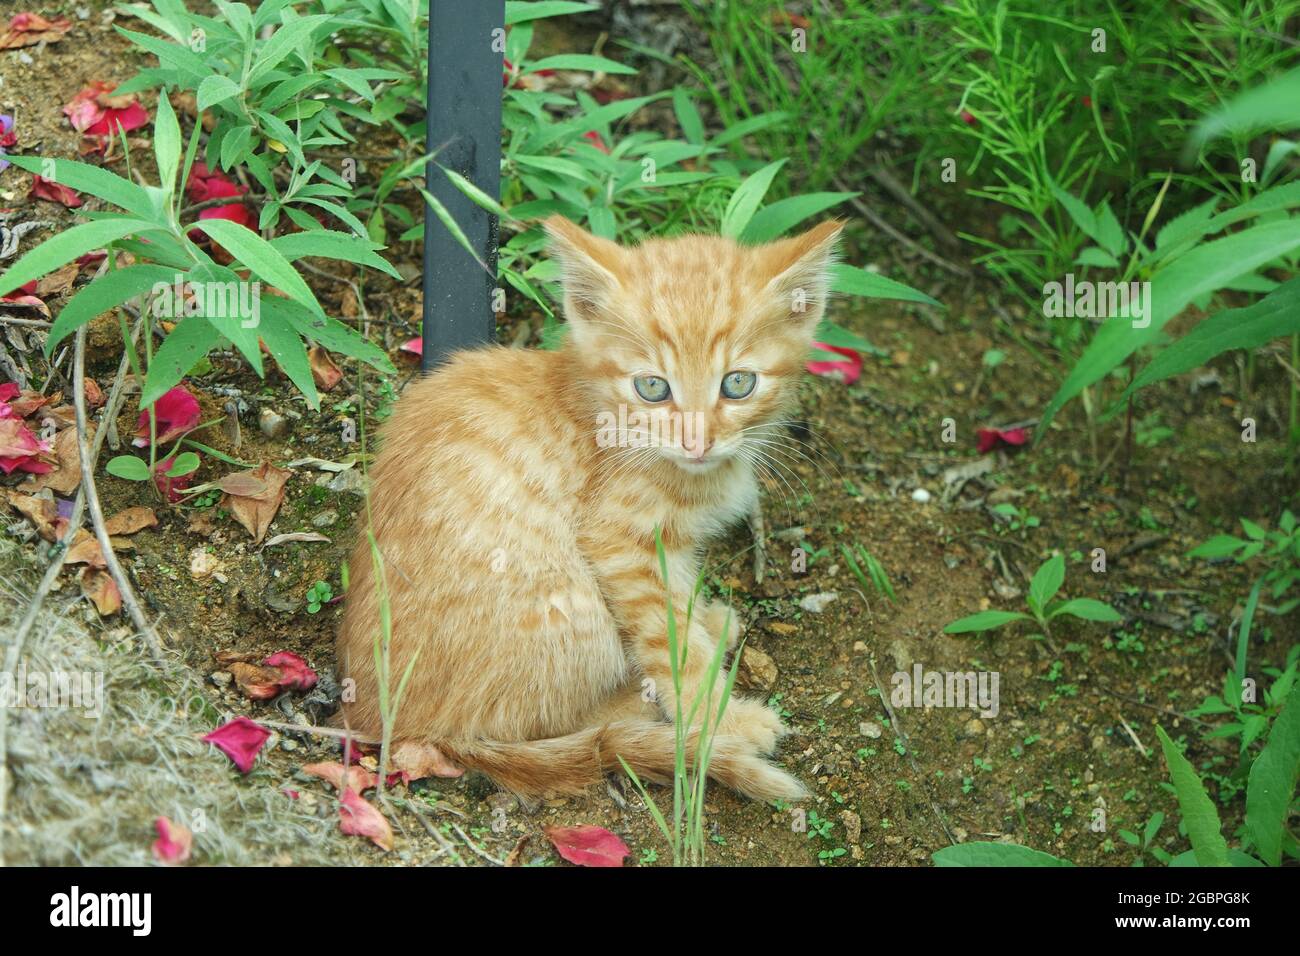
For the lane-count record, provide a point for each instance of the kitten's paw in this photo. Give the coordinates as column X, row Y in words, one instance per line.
column 753, row 721
column 722, row 623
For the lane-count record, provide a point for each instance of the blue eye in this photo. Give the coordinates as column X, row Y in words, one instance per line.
column 651, row 387
column 738, row 384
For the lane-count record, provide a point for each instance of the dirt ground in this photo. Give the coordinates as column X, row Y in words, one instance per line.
column 890, row 785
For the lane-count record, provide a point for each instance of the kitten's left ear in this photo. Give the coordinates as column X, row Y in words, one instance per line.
column 800, row 267
column 589, row 266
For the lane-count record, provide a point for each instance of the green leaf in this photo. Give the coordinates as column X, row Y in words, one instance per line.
column 1273, row 106
column 261, row 258
column 326, row 331
column 985, row 621
column 449, row 221
column 776, row 219
column 1098, row 257
column 1110, row 234
column 129, row 467
column 66, row 246
column 331, row 244
column 1046, row 582
column 1200, row 817
column 477, row 195
column 107, row 292
column 851, row 280
column 172, row 55
column 216, row 89
column 980, row 854
column 577, row 61
column 286, row 347
column 1088, row 610
column 1220, row 546
column 94, row 180
column 1083, row 216
column 688, row 117
column 183, row 464
column 1274, row 316
column 746, row 199
column 1272, row 782
column 283, row 42
column 1202, row 270
column 188, row 341
column 518, row 11
column 167, row 144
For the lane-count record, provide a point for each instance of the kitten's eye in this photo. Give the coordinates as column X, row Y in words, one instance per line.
column 651, row 387
column 738, row 384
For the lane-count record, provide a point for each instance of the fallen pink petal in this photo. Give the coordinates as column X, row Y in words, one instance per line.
column 241, row 740
column 176, row 411
column 588, row 845
column 358, row 818
column 986, row 439
column 848, row 370
column 174, row 842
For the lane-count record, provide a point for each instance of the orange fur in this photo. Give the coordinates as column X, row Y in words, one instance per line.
column 519, row 549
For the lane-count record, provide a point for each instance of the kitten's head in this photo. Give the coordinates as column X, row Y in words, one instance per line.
column 692, row 343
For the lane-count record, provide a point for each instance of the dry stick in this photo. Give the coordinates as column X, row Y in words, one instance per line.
column 893, row 722
column 900, row 192
column 96, row 512
column 893, row 233
column 34, row 323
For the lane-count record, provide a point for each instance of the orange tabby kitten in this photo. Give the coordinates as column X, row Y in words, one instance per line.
column 515, row 499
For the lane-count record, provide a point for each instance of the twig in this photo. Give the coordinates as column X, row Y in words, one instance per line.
column 124, row 588
column 475, row 847
column 34, row 323
column 920, row 776
column 900, row 192
column 318, row 731
column 1134, row 737
column 874, row 218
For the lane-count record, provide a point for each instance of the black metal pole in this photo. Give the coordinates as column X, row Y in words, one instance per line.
column 464, row 119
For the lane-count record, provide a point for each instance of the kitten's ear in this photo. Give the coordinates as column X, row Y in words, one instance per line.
column 589, row 266
column 799, row 270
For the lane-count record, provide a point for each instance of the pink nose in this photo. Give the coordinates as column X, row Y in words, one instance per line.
column 697, row 450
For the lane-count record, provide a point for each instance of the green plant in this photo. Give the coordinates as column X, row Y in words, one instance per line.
column 879, row 579
column 1044, row 586
column 318, row 595
column 685, row 832
column 1143, row 842
column 262, row 76
column 175, row 278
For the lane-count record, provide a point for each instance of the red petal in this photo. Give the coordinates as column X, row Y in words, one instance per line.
column 414, row 346
column 133, row 117
column 343, row 778
column 848, row 371
column 43, row 188
column 588, row 845
column 241, row 740
column 176, row 411
column 359, row 818
column 173, row 843
column 296, row 674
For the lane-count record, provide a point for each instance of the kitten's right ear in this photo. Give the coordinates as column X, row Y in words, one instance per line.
column 589, row 267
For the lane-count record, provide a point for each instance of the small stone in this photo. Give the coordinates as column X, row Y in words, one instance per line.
column 859, row 647
column 325, row 519
column 869, row 728
column 350, row 481
column 203, row 563
column 274, row 425
column 816, row 603
column 852, row 826
column 757, row 669
column 221, row 678
column 289, row 745
column 974, row 728
column 921, row 495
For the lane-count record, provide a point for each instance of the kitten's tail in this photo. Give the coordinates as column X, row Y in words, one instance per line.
column 570, row 764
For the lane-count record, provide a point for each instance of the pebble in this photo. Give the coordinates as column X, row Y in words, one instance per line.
column 273, row 424
column 816, row 603
column 351, row 481
column 325, row 519
column 974, row 727
column 921, row 495
column 870, row 728
column 757, row 669
column 852, row 826
column 221, row 678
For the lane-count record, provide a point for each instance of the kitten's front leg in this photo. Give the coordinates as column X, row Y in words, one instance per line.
column 641, row 607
